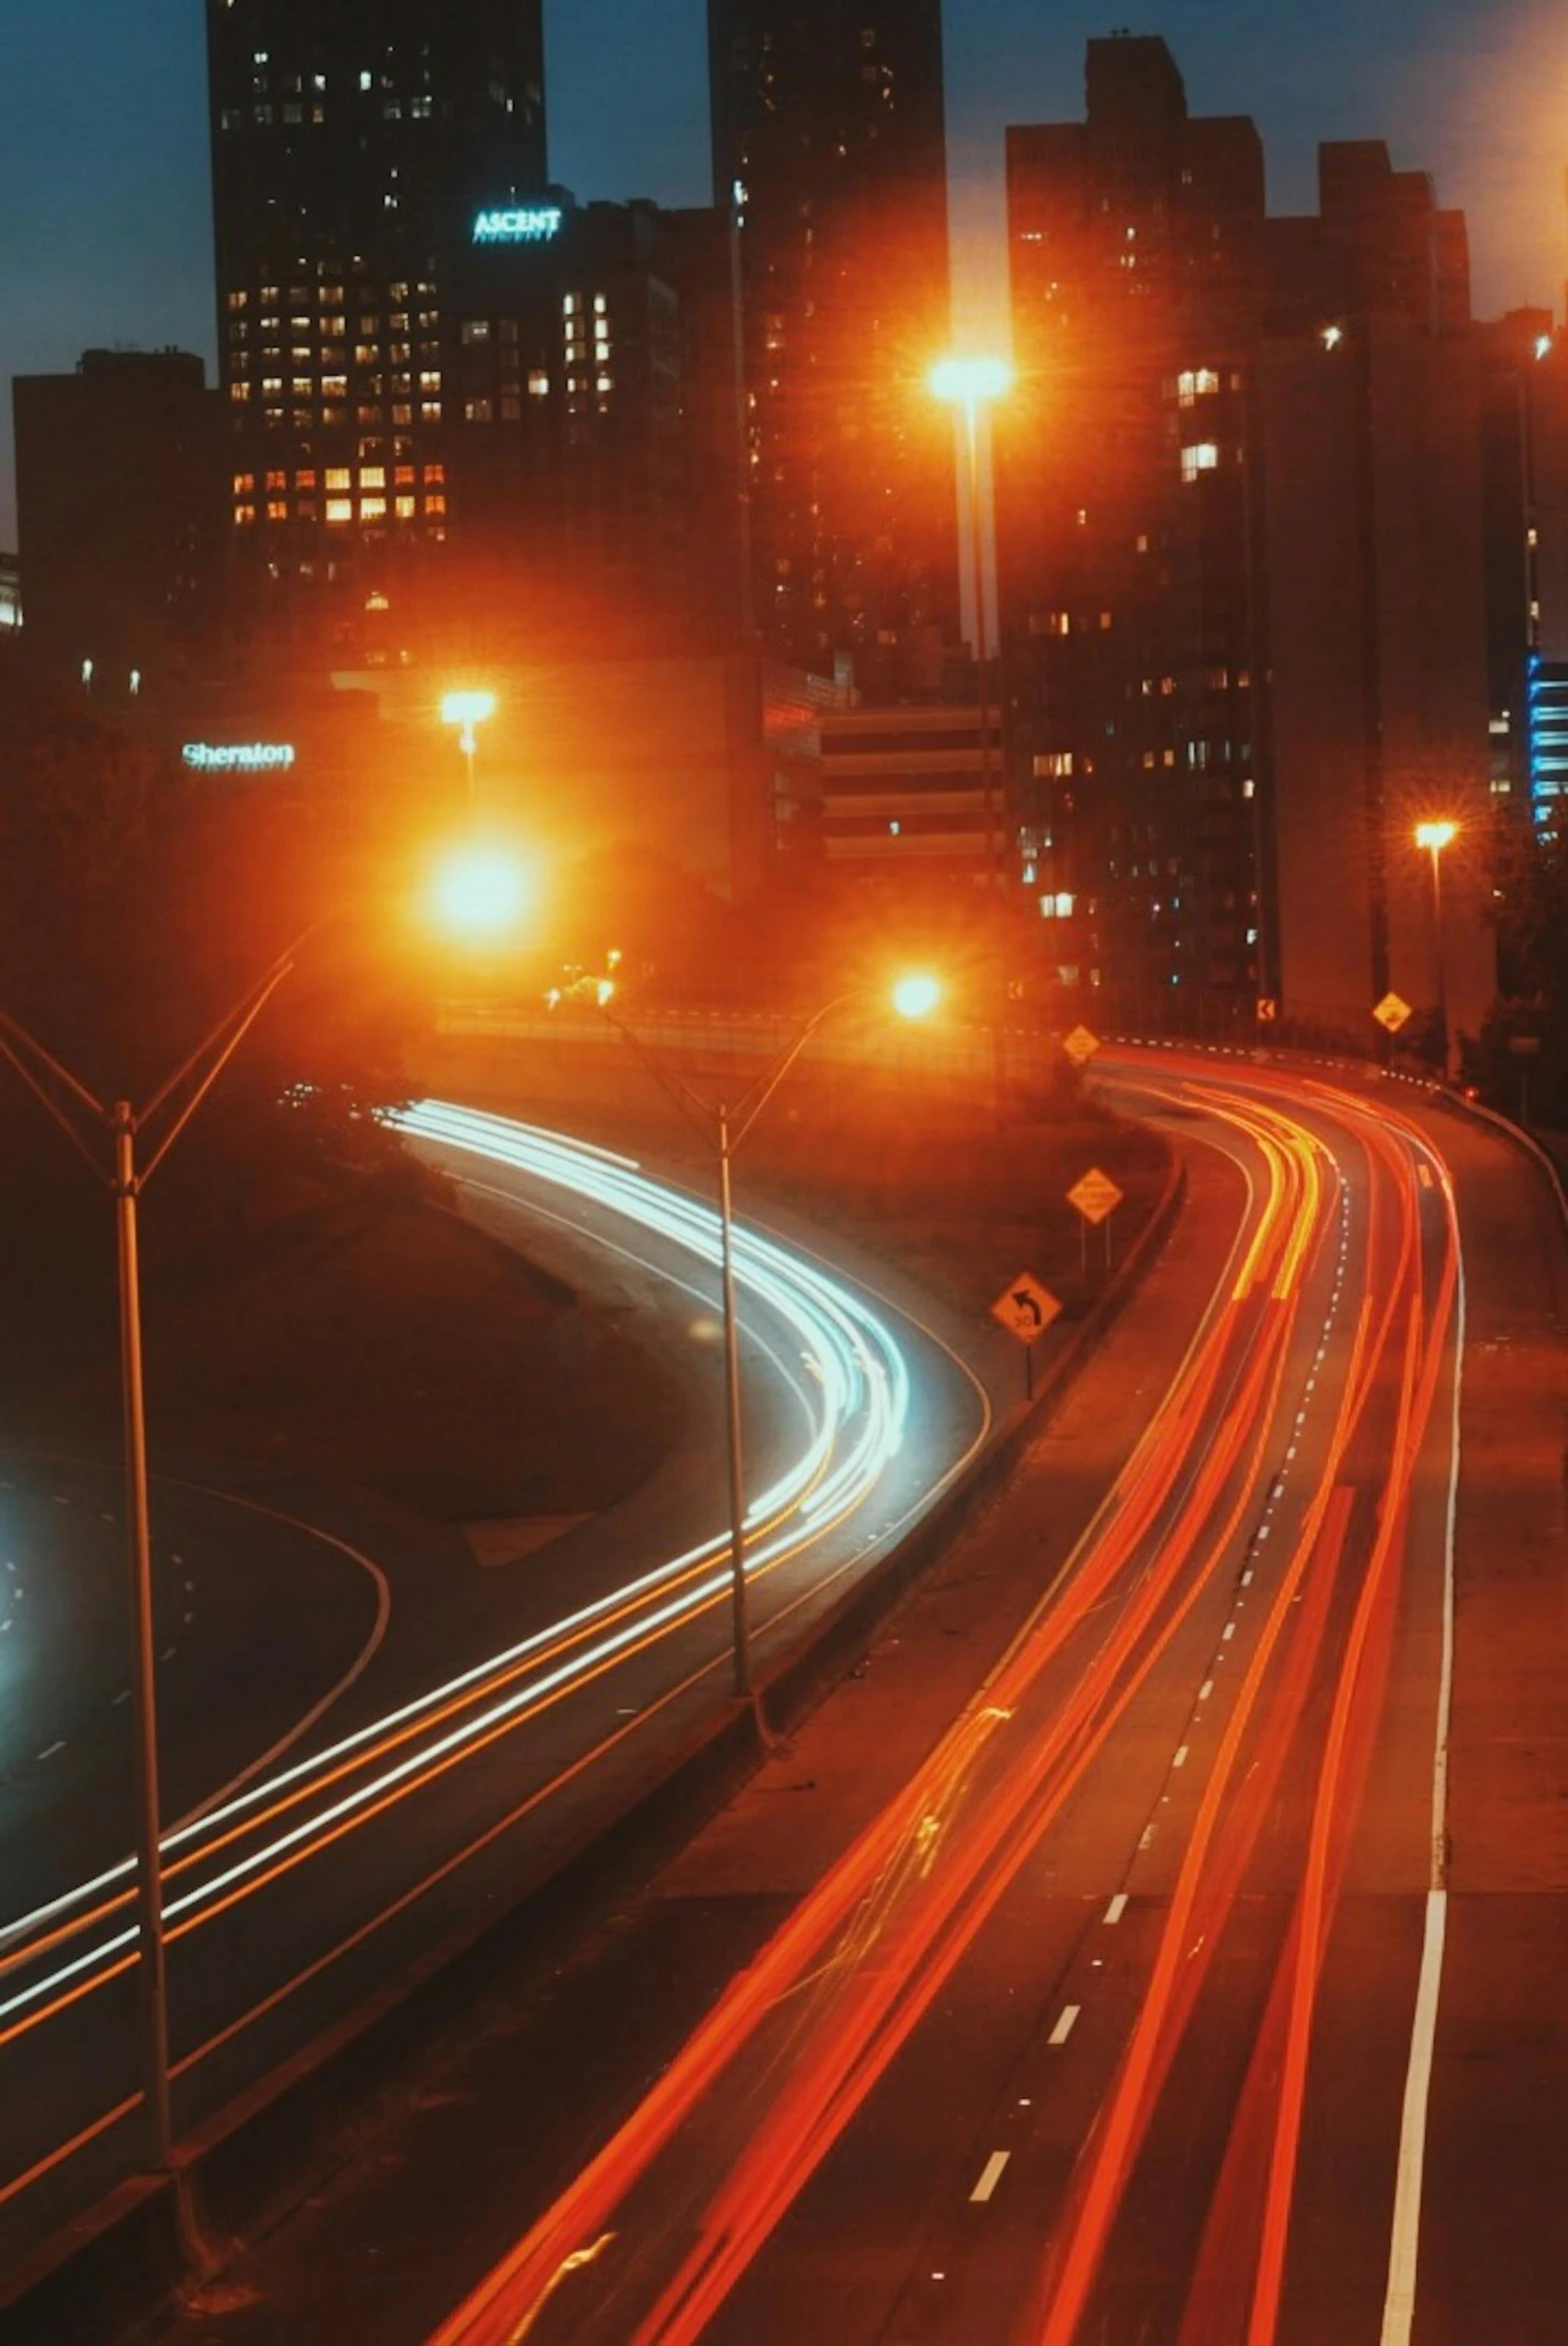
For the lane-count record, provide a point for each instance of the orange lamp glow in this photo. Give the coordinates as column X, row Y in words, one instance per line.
column 971, row 383
column 916, row 997
column 479, row 891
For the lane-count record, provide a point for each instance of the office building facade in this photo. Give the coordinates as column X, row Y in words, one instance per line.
column 1242, row 566
column 829, row 137
column 1127, row 485
column 120, row 504
column 356, row 151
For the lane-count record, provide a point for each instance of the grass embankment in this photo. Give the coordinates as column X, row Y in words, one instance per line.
column 396, row 1349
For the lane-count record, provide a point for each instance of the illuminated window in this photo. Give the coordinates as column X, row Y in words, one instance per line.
column 277, row 481
column 430, row 411
column 606, row 383
column 408, row 507
column 278, row 509
column 239, row 301
column 435, row 472
column 334, row 386
column 403, row 415
column 479, row 411
column 405, row 476
column 539, row 384
column 436, row 503
column 304, row 387
column 476, row 329
column 1054, row 764
column 430, row 382
column 244, row 516
column 373, row 477
column 244, row 483
column 1202, row 459
column 373, row 508
column 340, row 509
column 339, row 477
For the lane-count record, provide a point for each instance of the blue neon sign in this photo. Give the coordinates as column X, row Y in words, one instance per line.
column 522, row 224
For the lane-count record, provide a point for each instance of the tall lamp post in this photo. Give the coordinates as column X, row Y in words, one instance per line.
column 125, row 1171
column 724, row 1129
column 972, row 385
column 467, row 710
column 1433, row 837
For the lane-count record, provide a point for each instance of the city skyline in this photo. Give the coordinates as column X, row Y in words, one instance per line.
column 631, row 118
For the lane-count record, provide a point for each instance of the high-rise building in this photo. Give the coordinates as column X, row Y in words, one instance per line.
column 1524, row 384
column 358, row 152
column 829, row 134
column 1127, row 489
column 119, row 476
column 1240, row 533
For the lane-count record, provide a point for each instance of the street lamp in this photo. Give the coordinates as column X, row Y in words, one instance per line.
column 724, row 1129
column 972, row 385
column 1433, row 837
column 479, row 891
column 126, row 1177
column 467, row 710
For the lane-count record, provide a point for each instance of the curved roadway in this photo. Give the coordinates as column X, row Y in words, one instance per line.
column 299, row 1891
column 1117, row 2024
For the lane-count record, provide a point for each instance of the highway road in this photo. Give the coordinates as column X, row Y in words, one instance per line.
column 1121, row 2022
column 356, row 1789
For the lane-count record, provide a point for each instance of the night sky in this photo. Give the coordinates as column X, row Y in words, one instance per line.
column 104, row 231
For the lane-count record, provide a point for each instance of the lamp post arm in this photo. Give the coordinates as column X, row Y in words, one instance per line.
column 257, row 993
column 754, row 1100
column 237, row 1027
column 12, row 1033
column 691, row 1103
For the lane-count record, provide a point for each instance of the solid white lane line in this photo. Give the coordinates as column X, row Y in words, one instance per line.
column 1063, row 2028
column 1405, row 2242
column 1404, row 2247
column 1117, row 1907
column 990, row 2176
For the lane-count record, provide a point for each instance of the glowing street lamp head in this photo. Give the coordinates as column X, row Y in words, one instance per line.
column 479, row 891
column 468, row 708
column 1434, row 837
column 916, row 997
column 971, row 383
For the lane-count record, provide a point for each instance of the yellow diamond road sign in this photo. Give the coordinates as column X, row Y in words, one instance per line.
column 1082, row 1046
column 1026, row 1309
column 1097, row 1197
column 1392, row 1011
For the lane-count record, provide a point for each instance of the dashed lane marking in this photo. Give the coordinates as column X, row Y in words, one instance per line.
column 1117, row 1907
column 990, row 2176
column 1063, row 2028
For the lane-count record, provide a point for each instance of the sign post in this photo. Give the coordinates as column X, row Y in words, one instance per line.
column 1095, row 1198
column 1026, row 1309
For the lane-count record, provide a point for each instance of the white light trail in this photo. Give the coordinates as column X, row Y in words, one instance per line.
column 859, row 1395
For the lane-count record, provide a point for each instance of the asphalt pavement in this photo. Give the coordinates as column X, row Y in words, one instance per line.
column 1134, row 2014
column 358, row 1805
